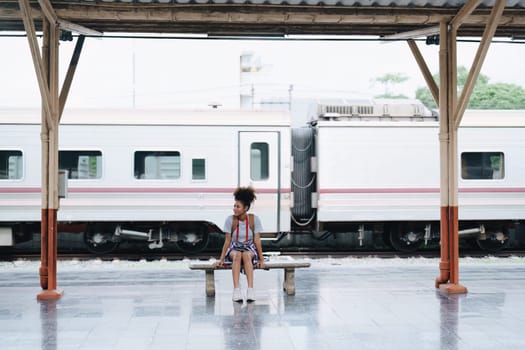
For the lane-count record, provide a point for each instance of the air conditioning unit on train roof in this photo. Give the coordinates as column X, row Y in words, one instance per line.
column 404, row 107
column 346, row 109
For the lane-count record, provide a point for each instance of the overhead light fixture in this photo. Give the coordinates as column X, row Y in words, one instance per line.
column 432, row 40
column 243, row 35
column 413, row 34
column 66, row 35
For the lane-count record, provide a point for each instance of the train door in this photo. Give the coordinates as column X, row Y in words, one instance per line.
column 259, row 167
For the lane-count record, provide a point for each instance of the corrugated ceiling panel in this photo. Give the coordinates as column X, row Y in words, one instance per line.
column 349, row 3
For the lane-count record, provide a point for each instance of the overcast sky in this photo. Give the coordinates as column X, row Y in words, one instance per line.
column 194, row 73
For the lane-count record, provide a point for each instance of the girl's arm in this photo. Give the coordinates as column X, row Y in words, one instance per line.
column 258, row 246
column 227, row 242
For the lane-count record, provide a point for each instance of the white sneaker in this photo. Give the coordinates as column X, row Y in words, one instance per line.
column 250, row 295
column 237, row 296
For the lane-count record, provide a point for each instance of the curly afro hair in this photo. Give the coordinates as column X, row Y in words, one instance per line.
column 246, row 195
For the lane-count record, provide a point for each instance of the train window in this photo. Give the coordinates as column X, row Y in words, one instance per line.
column 482, row 165
column 198, row 169
column 259, row 162
column 157, row 165
column 81, row 165
column 10, row 165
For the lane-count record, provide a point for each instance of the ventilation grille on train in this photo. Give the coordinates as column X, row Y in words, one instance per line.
column 346, row 110
column 379, row 109
column 303, row 176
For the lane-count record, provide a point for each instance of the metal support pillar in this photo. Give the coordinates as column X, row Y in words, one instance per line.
column 47, row 72
column 451, row 111
column 448, row 280
column 44, row 138
column 46, row 69
column 49, row 243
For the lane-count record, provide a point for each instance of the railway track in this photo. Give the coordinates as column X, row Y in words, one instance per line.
column 303, row 254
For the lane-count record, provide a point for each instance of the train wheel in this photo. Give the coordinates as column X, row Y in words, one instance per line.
column 193, row 239
column 494, row 241
column 406, row 238
column 100, row 239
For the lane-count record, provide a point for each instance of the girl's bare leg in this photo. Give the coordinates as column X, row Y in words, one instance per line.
column 248, row 267
column 236, row 258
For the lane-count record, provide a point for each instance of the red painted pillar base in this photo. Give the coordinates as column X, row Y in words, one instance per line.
column 50, row 295
column 444, row 273
column 448, row 281
column 43, row 250
column 453, row 288
column 48, row 269
column 444, row 265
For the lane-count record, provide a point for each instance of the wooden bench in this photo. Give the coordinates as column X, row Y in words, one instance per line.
column 289, row 267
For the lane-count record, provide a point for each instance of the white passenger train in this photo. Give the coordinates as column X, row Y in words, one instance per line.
column 359, row 171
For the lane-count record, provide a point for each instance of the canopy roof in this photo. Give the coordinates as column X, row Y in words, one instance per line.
column 269, row 17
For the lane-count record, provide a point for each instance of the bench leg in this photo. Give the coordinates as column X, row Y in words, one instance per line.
column 289, row 281
column 210, row 283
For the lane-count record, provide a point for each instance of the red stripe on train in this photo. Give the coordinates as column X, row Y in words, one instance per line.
column 378, row 190
column 419, row 190
column 19, row 189
column 164, row 190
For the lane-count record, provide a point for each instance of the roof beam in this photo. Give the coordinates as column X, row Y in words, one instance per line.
column 431, row 83
column 236, row 19
column 37, row 60
column 48, row 11
column 455, row 23
column 483, row 48
column 242, row 17
column 464, row 12
column 50, row 14
column 69, row 75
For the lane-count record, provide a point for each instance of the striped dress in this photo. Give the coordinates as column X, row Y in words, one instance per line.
column 242, row 237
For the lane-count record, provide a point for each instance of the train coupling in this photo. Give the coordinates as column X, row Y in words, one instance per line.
column 130, row 234
column 472, row 231
column 139, row 235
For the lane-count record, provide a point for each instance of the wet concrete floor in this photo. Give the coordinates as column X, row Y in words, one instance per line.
column 339, row 304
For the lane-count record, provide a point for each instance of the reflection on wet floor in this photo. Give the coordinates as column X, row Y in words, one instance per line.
column 336, row 307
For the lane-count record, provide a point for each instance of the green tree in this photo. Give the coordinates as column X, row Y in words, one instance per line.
column 423, row 94
column 463, row 75
column 484, row 95
column 498, row 96
column 388, row 80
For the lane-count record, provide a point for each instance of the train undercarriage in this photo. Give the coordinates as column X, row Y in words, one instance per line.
column 196, row 237
column 188, row 237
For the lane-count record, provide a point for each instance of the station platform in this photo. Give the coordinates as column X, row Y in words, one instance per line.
column 364, row 303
